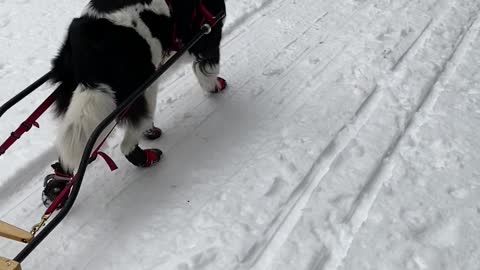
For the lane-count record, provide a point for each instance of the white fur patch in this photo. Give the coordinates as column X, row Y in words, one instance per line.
column 133, row 133
column 87, row 109
column 207, row 79
column 151, row 98
column 130, row 17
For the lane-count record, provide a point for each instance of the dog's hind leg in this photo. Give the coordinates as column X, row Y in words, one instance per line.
column 138, row 121
column 136, row 155
column 152, row 132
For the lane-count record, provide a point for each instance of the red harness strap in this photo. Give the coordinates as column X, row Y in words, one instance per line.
column 32, row 121
column 207, row 17
column 27, row 124
column 61, row 197
column 111, row 164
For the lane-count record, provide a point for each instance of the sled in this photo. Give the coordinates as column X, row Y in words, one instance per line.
column 6, row 264
column 68, row 195
column 14, row 233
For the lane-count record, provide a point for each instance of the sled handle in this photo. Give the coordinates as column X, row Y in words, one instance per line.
column 27, row 91
column 14, row 233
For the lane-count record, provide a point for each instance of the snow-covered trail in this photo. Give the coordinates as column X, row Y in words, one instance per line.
column 435, row 225
column 330, row 121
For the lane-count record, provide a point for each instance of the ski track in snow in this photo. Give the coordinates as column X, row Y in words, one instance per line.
column 446, row 233
column 286, row 219
column 359, row 208
column 297, row 196
column 372, row 183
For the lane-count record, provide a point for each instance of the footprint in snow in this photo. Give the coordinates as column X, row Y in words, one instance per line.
column 273, row 72
column 314, row 61
column 203, row 259
column 415, row 220
column 4, row 69
column 458, row 193
column 442, row 234
column 278, row 184
column 4, row 21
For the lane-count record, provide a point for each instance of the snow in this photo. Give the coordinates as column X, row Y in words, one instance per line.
column 347, row 140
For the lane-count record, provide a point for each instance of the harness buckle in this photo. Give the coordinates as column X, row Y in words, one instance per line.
column 26, row 125
column 208, row 28
column 39, row 225
column 15, row 135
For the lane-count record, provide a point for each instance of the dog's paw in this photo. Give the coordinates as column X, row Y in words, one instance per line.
column 152, row 133
column 144, row 158
column 221, row 85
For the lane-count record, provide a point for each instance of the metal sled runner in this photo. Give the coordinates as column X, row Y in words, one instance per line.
column 69, row 194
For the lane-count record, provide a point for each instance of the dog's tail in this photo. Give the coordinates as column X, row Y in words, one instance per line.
column 63, row 73
column 87, row 109
column 81, row 107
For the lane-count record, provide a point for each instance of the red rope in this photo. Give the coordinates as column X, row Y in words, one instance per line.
column 27, row 124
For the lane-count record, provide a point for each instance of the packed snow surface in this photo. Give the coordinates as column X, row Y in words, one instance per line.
column 348, row 139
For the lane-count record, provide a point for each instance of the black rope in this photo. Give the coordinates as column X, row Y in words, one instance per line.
column 9, row 104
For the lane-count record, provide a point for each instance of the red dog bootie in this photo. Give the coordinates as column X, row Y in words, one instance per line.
column 144, row 158
column 220, row 85
column 152, row 133
column 53, row 185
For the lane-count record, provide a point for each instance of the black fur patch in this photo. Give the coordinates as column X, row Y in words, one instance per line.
column 182, row 12
column 160, row 26
column 100, row 52
column 114, row 5
column 62, row 73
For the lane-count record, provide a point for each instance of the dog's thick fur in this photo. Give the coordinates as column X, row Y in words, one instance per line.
column 109, row 52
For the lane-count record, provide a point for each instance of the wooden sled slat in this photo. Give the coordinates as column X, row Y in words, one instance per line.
column 14, row 233
column 6, row 264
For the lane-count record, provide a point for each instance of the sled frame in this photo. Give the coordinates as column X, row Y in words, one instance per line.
column 6, row 264
column 14, row 233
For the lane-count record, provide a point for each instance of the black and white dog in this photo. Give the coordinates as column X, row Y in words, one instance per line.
column 109, row 52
